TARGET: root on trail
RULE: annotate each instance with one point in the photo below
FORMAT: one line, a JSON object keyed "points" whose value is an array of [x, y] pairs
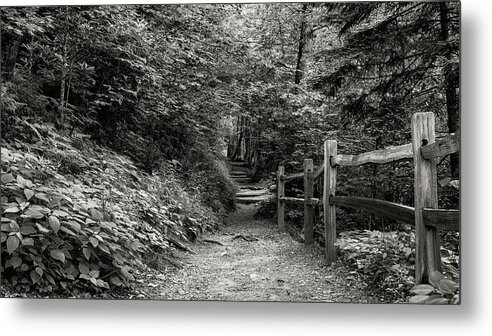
{"points": [[211, 241], [246, 238]]}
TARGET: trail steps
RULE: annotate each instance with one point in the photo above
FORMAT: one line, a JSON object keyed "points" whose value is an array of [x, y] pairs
{"points": [[248, 193]]}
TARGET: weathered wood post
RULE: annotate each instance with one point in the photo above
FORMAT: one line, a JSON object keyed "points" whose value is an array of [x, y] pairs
{"points": [[280, 203], [427, 254], [308, 207], [330, 178]]}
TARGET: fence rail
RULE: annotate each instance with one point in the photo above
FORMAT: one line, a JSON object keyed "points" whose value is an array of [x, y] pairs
{"points": [[292, 176], [428, 220], [399, 212], [380, 156], [294, 200]]}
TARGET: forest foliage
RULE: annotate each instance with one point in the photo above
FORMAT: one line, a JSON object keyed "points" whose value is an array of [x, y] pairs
{"points": [[79, 219]]}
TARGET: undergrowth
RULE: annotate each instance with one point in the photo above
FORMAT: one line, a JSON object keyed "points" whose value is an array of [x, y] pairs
{"points": [[385, 262], [79, 219]]}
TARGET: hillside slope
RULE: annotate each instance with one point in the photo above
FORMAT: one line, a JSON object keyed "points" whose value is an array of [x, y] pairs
{"points": [[79, 219]]}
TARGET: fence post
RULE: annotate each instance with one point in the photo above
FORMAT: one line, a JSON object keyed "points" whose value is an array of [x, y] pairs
{"points": [[330, 178], [280, 204], [427, 254], [308, 208]]}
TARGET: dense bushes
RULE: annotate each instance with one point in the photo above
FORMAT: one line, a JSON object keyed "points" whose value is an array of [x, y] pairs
{"points": [[385, 262], [78, 219]]}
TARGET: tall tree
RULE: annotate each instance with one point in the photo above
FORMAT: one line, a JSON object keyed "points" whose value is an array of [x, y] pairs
{"points": [[392, 57], [302, 45], [451, 75]]}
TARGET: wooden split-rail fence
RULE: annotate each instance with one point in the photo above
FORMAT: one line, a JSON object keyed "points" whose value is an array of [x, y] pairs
{"points": [[428, 220]]}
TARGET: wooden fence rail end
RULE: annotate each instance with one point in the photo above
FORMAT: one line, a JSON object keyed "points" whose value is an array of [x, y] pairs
{"points": [[447, 220], [448, 145]]}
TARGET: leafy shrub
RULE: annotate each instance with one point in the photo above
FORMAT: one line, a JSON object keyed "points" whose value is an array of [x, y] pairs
{"points": [[55, 242], [440, 291], [87, 231], [384, 260], [386, 263]]}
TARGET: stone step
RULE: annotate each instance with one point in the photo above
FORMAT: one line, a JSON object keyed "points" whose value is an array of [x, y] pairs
{"points": [[239, 164], [242, 180], [240, 170], [248, 187], [239, 174], [250, 200], [252, 193]]}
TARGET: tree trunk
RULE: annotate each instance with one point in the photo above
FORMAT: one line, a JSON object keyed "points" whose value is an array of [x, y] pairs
{"points": [[451, 81], [69, 84], [63, 77], [237, 153], [302, 44], [64, 65], [12, 58]]}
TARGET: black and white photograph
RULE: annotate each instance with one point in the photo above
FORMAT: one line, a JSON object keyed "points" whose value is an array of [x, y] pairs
{"points": [[247, 152]]}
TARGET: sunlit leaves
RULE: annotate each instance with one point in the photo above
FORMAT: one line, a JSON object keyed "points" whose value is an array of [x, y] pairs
{"points": [[41, 228], [422, 289], [58, 255], [28, 242], [437, 299], [32, 213], [418, 299], [28, 193], [21, 181], [7, 178], [96, 214], [13, 209], [447, 286], [12, 243], [115, 281], [60, 213], [42, 196], [15, 261], [83, 268], [86, 252], [54, 223], [27, 229], [441, 291], [94, 241], [35, 277]]}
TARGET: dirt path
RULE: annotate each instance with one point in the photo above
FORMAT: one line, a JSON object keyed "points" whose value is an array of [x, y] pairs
{"points": [[254, 263]]}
